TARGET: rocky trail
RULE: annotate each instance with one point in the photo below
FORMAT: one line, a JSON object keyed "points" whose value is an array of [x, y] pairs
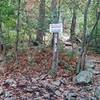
{"points": [[41, 86], [24, 83]]}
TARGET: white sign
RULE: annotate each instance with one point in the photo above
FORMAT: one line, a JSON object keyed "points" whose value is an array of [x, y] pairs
{"points": [[56, 28]]}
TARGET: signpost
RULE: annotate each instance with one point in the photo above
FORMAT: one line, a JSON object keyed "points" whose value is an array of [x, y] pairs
{"points": [[55, 29]]}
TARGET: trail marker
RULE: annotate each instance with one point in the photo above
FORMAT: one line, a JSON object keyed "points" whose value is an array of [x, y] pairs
{"points": [[55, 29]]}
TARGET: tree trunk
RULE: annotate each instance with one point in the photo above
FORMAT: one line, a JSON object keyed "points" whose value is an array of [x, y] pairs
{"points": [[73, 26], [41, 22], [96, 31], [54, 17], [0, 26], [81, 63], [18, 28]]}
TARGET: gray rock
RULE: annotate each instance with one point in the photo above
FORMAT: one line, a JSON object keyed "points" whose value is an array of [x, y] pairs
{"points": [[42, 77], [47, 96], [96, 72], [58, 93], [92, 98], [88, 88], [51, 88], [22, 83], [83, 98], [63, 81], [1, 91], [10, 98], [97, 92], [8, 94], [28, 89], [56, 83], [1, 58], [90, 64], [84, 77], [10, 82], [70, 96], [37, 94]]}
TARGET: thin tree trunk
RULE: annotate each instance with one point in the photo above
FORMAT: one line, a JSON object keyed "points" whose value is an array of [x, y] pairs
{"points": [[81, 63], [96, 31], [54, 17], [41, 22], [0, 25], [73, 26], [55, 38], [18, 28]]}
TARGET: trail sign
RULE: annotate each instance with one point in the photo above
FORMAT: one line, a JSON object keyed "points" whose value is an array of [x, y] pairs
{"points": [[56, 28]]}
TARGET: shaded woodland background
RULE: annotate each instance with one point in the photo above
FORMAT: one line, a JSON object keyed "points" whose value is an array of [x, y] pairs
{"points": [[26, 50]]}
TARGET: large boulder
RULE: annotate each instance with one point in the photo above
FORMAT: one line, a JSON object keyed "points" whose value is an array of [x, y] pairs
{"points": [[84, 77]]}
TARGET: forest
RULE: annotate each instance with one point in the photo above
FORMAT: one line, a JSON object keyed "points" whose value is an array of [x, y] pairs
{"points": [[49, 49]]}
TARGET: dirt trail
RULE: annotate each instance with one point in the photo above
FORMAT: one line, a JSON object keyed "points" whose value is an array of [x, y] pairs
{"points": [[96, 59]]}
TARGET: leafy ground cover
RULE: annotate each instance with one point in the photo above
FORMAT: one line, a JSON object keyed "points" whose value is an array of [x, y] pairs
{"points": [[32, 82]]}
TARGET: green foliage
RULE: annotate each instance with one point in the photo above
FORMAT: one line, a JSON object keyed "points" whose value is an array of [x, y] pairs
{"points": [[52, 72], [10, 56], [70, 54], [10, 37], [62, 47]]}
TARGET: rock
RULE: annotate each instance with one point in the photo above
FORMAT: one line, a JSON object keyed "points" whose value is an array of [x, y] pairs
{"points": [[56, 83], [51, 88], [10, 98], [63, 81], [1, 58], [82, 98], [1, 91], [92, 98], [38, 98], [88, 88], [2, 68], [28, 89], [58, 93], [10, 82], [22, 83], [8, 94], [24, 97], [42, 77], [84, 77], [47, 96], [34, 81], [96, 72], [97, 92], [37, 94], [90, 64], [70, 96]]}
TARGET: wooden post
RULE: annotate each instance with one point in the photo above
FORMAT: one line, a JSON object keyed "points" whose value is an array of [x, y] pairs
{"points": [[55, 29], [55, 52]]}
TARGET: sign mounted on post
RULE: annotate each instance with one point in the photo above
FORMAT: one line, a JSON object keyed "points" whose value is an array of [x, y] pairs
{"points": [[56, 28]]}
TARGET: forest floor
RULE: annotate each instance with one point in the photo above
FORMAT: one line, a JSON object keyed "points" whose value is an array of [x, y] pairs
{"points": [[25, 82]]}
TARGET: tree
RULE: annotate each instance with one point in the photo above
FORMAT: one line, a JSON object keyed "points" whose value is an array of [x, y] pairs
{"points": [[41, 22], [54, 16], [55, 19], [82, 57], [18, 27], [73, 26]]}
